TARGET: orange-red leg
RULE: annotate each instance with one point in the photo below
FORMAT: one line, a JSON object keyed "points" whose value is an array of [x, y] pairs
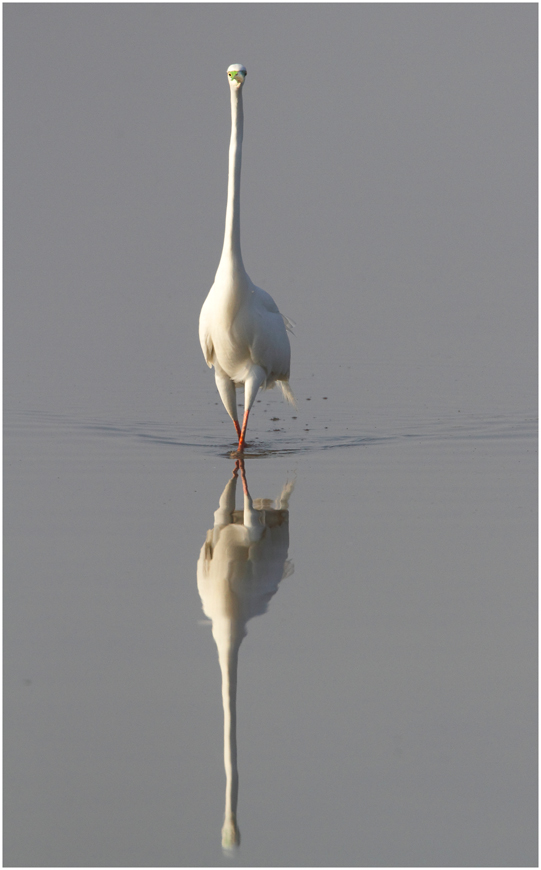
{"points": [[243, 432]]}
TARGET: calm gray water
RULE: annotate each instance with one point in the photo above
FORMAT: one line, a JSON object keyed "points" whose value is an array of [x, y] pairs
{"points": [[362, 620], [386, 700]]}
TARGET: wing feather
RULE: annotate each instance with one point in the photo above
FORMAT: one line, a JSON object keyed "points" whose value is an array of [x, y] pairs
{"points": [[205, 339]]}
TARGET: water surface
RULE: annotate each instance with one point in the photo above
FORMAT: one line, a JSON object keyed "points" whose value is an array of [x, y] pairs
{"points": [[385, 711]]}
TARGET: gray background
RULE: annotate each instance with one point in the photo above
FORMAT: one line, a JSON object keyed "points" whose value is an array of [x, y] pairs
{"points": [[388, 195], [387, 700]]}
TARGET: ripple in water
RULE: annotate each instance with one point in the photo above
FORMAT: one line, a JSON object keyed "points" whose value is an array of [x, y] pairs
{"points": [[344, 434]]}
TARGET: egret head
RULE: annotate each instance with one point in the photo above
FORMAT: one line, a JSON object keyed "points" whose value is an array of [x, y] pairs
{"points": [[236, 74]]}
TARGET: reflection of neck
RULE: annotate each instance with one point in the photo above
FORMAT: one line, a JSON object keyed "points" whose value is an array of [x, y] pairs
{"points": [[231, 249], [228, 641]]}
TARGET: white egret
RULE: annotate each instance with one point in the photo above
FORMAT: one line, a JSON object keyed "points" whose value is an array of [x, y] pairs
{"points": [[240, 566], [242, 333]]}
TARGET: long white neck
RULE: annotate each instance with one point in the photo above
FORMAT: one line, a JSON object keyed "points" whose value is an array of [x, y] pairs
{"points": [[231, 250]]}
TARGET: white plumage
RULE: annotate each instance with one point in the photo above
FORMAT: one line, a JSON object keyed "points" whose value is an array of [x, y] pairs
{"points": [[242, 333]]}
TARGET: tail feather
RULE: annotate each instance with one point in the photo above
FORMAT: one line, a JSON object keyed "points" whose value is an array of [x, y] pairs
{"points": [[287, 393], [289, 324]]}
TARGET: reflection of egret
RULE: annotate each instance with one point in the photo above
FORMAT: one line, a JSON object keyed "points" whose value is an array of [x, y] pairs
{"points": [[240, 566], [242, 333]]}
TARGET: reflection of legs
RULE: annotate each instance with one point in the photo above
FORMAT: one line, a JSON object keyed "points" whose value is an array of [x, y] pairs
{"points": [[240, 466], [251, 385], [226, 389], [253, 519]]}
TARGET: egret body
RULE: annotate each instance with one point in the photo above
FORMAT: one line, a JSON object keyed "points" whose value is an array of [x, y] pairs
{"points": [[242, 333]]}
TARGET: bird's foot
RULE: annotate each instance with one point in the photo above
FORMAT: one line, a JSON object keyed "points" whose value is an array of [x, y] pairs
{"points": [[243, 445], [239, 453]]}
